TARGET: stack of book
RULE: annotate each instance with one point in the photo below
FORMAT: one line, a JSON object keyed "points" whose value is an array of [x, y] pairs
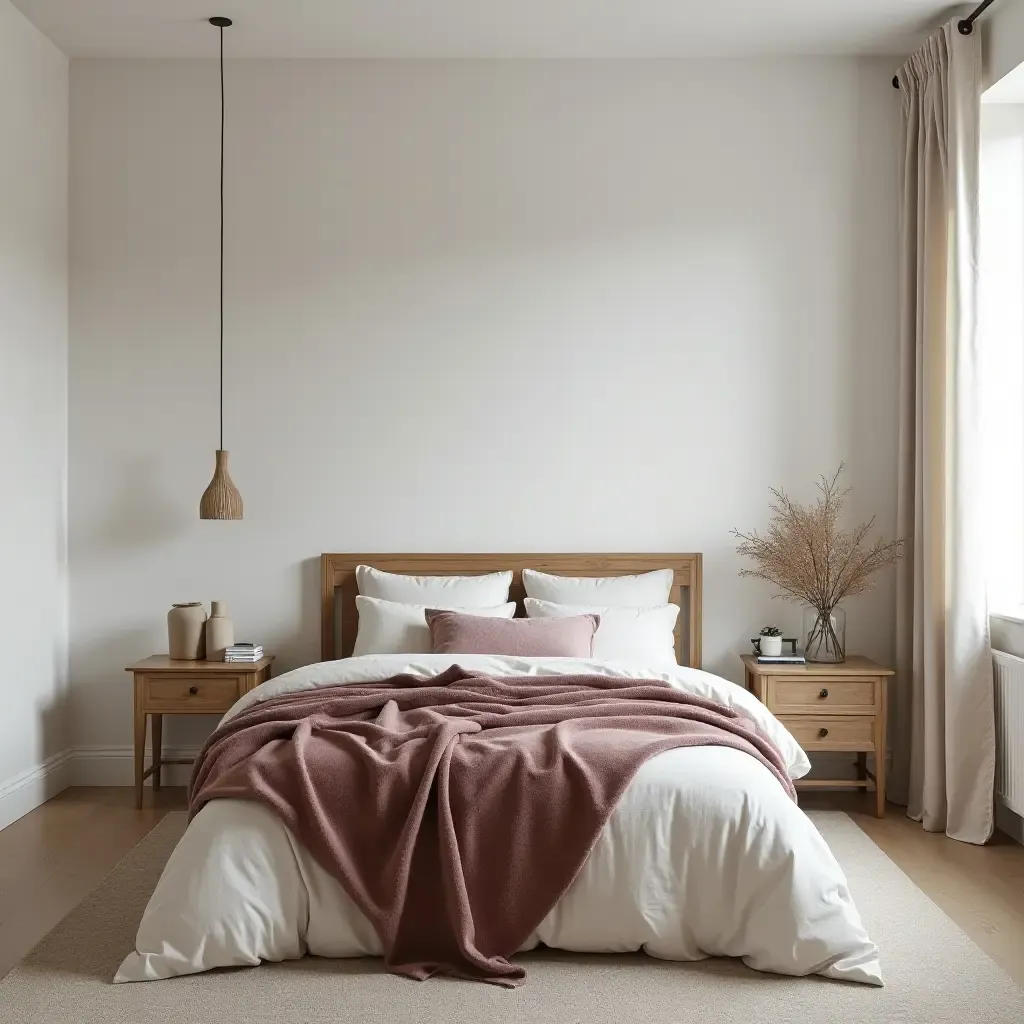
{"points": [[243, 652], [781, 659]]}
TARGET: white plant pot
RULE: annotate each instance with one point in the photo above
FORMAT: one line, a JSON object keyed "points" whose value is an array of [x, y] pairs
{"points": [[771, 646]]}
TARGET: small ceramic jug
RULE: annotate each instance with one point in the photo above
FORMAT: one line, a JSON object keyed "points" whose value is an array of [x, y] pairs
{"points": [[220, 631], [186, 633]]}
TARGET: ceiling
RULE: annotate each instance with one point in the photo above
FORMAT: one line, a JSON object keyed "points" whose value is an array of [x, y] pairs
{"points": [[486, 28]]}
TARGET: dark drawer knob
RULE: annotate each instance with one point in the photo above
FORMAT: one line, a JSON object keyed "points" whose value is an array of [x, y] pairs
{"points": [[193, 690], [823, 733], [823, 693]]}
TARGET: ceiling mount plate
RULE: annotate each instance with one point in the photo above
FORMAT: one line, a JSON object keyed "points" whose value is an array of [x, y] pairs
{"points": [[221, 22]]}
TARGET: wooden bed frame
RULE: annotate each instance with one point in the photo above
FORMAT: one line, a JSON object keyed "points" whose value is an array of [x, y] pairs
{"points": [[339, 618]]}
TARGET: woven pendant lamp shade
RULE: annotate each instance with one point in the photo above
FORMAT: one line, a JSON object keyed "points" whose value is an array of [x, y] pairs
{"points": [[221, 499]]}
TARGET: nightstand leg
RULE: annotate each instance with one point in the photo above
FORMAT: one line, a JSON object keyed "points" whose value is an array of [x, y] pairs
{"points": [[158, 749], [140, 754], [880, 750], [862, 766]]}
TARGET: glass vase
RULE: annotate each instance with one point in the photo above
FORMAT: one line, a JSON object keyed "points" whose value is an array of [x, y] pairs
{"points": [[824, 634]]}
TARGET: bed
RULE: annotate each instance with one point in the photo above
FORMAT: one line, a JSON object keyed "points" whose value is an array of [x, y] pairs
{"points": [[705, 853]]}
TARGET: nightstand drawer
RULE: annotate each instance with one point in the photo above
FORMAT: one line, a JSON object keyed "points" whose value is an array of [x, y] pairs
{"points": [[185, 693], [823, 732], [805, 696]]}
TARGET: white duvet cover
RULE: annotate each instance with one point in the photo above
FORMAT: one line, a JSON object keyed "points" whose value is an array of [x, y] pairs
{"points": [[705, 855]]}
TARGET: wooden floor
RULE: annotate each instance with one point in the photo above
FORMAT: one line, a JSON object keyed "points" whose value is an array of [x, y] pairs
{"points": [[979, 887], [52, 858]]}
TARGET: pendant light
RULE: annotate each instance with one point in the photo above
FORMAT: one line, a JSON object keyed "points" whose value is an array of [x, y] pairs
{"points": [[221, 499]]}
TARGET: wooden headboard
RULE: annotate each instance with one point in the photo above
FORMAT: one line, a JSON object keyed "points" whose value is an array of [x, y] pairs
{"points": [[339, 619]]}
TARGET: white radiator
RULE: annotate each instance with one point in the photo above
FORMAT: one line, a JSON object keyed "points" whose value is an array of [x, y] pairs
{"points": [[1009, 672]]}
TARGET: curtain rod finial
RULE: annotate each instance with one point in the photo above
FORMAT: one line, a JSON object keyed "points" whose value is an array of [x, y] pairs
{"points": [[895, 81]]}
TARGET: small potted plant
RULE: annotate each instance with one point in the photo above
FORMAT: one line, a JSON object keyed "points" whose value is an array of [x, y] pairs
{"points": [[770, 643]]}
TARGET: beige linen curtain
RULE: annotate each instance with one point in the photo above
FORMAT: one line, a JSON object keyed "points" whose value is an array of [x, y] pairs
{"points": [[944, 749]]}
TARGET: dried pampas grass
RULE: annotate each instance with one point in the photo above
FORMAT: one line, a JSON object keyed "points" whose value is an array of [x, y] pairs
{"points": [[806, 554]]}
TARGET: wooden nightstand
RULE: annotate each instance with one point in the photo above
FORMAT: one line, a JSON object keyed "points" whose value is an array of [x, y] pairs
{"points": [[164, 686], [830, 707]]}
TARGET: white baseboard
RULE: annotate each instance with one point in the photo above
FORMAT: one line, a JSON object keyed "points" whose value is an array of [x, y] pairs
{"points": [[82, 766], [34, 786], [115, 766], [834, 764], [831, 764]]}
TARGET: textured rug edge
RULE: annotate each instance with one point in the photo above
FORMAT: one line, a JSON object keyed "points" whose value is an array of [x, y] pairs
{"points": [[170, 822]]}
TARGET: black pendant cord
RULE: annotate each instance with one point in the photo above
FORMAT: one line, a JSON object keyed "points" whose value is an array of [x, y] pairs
{"points": [[965, 27], [221, 23], [221, 28]]}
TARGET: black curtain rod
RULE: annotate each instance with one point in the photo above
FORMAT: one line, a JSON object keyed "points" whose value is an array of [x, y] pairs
{"points": [[965, 26]]}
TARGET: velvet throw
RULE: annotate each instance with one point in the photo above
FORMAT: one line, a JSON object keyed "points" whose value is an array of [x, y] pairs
{"points": [[456, 811]]}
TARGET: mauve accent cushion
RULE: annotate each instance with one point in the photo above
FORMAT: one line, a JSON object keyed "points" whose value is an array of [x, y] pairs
{"points": [[458, 633]]}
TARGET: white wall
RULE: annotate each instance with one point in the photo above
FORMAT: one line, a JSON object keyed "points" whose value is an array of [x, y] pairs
{"points": [[470, 306], [33, 414]]}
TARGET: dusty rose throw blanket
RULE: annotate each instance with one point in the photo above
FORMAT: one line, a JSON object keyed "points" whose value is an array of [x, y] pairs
{"points": [[456, 811]]}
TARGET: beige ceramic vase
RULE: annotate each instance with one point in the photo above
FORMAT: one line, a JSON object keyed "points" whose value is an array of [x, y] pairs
{"points": [[220, 631], [186, 632]]}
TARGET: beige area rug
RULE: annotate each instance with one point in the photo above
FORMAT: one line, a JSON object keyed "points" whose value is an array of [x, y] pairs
{"points": [[934, 972]]}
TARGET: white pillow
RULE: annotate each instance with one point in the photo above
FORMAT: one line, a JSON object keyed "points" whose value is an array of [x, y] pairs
{"points": [[389, 627], [435, 591], [641, 635], [643, 591]]}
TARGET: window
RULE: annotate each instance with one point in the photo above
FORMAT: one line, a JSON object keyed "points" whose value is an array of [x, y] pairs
{"points": [[1001, 335]]}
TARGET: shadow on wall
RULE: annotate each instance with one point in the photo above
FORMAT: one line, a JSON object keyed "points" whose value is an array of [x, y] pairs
{"points": [[140, 514], [872, 337], [54, 714], [101, 687], [303, 647]]}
